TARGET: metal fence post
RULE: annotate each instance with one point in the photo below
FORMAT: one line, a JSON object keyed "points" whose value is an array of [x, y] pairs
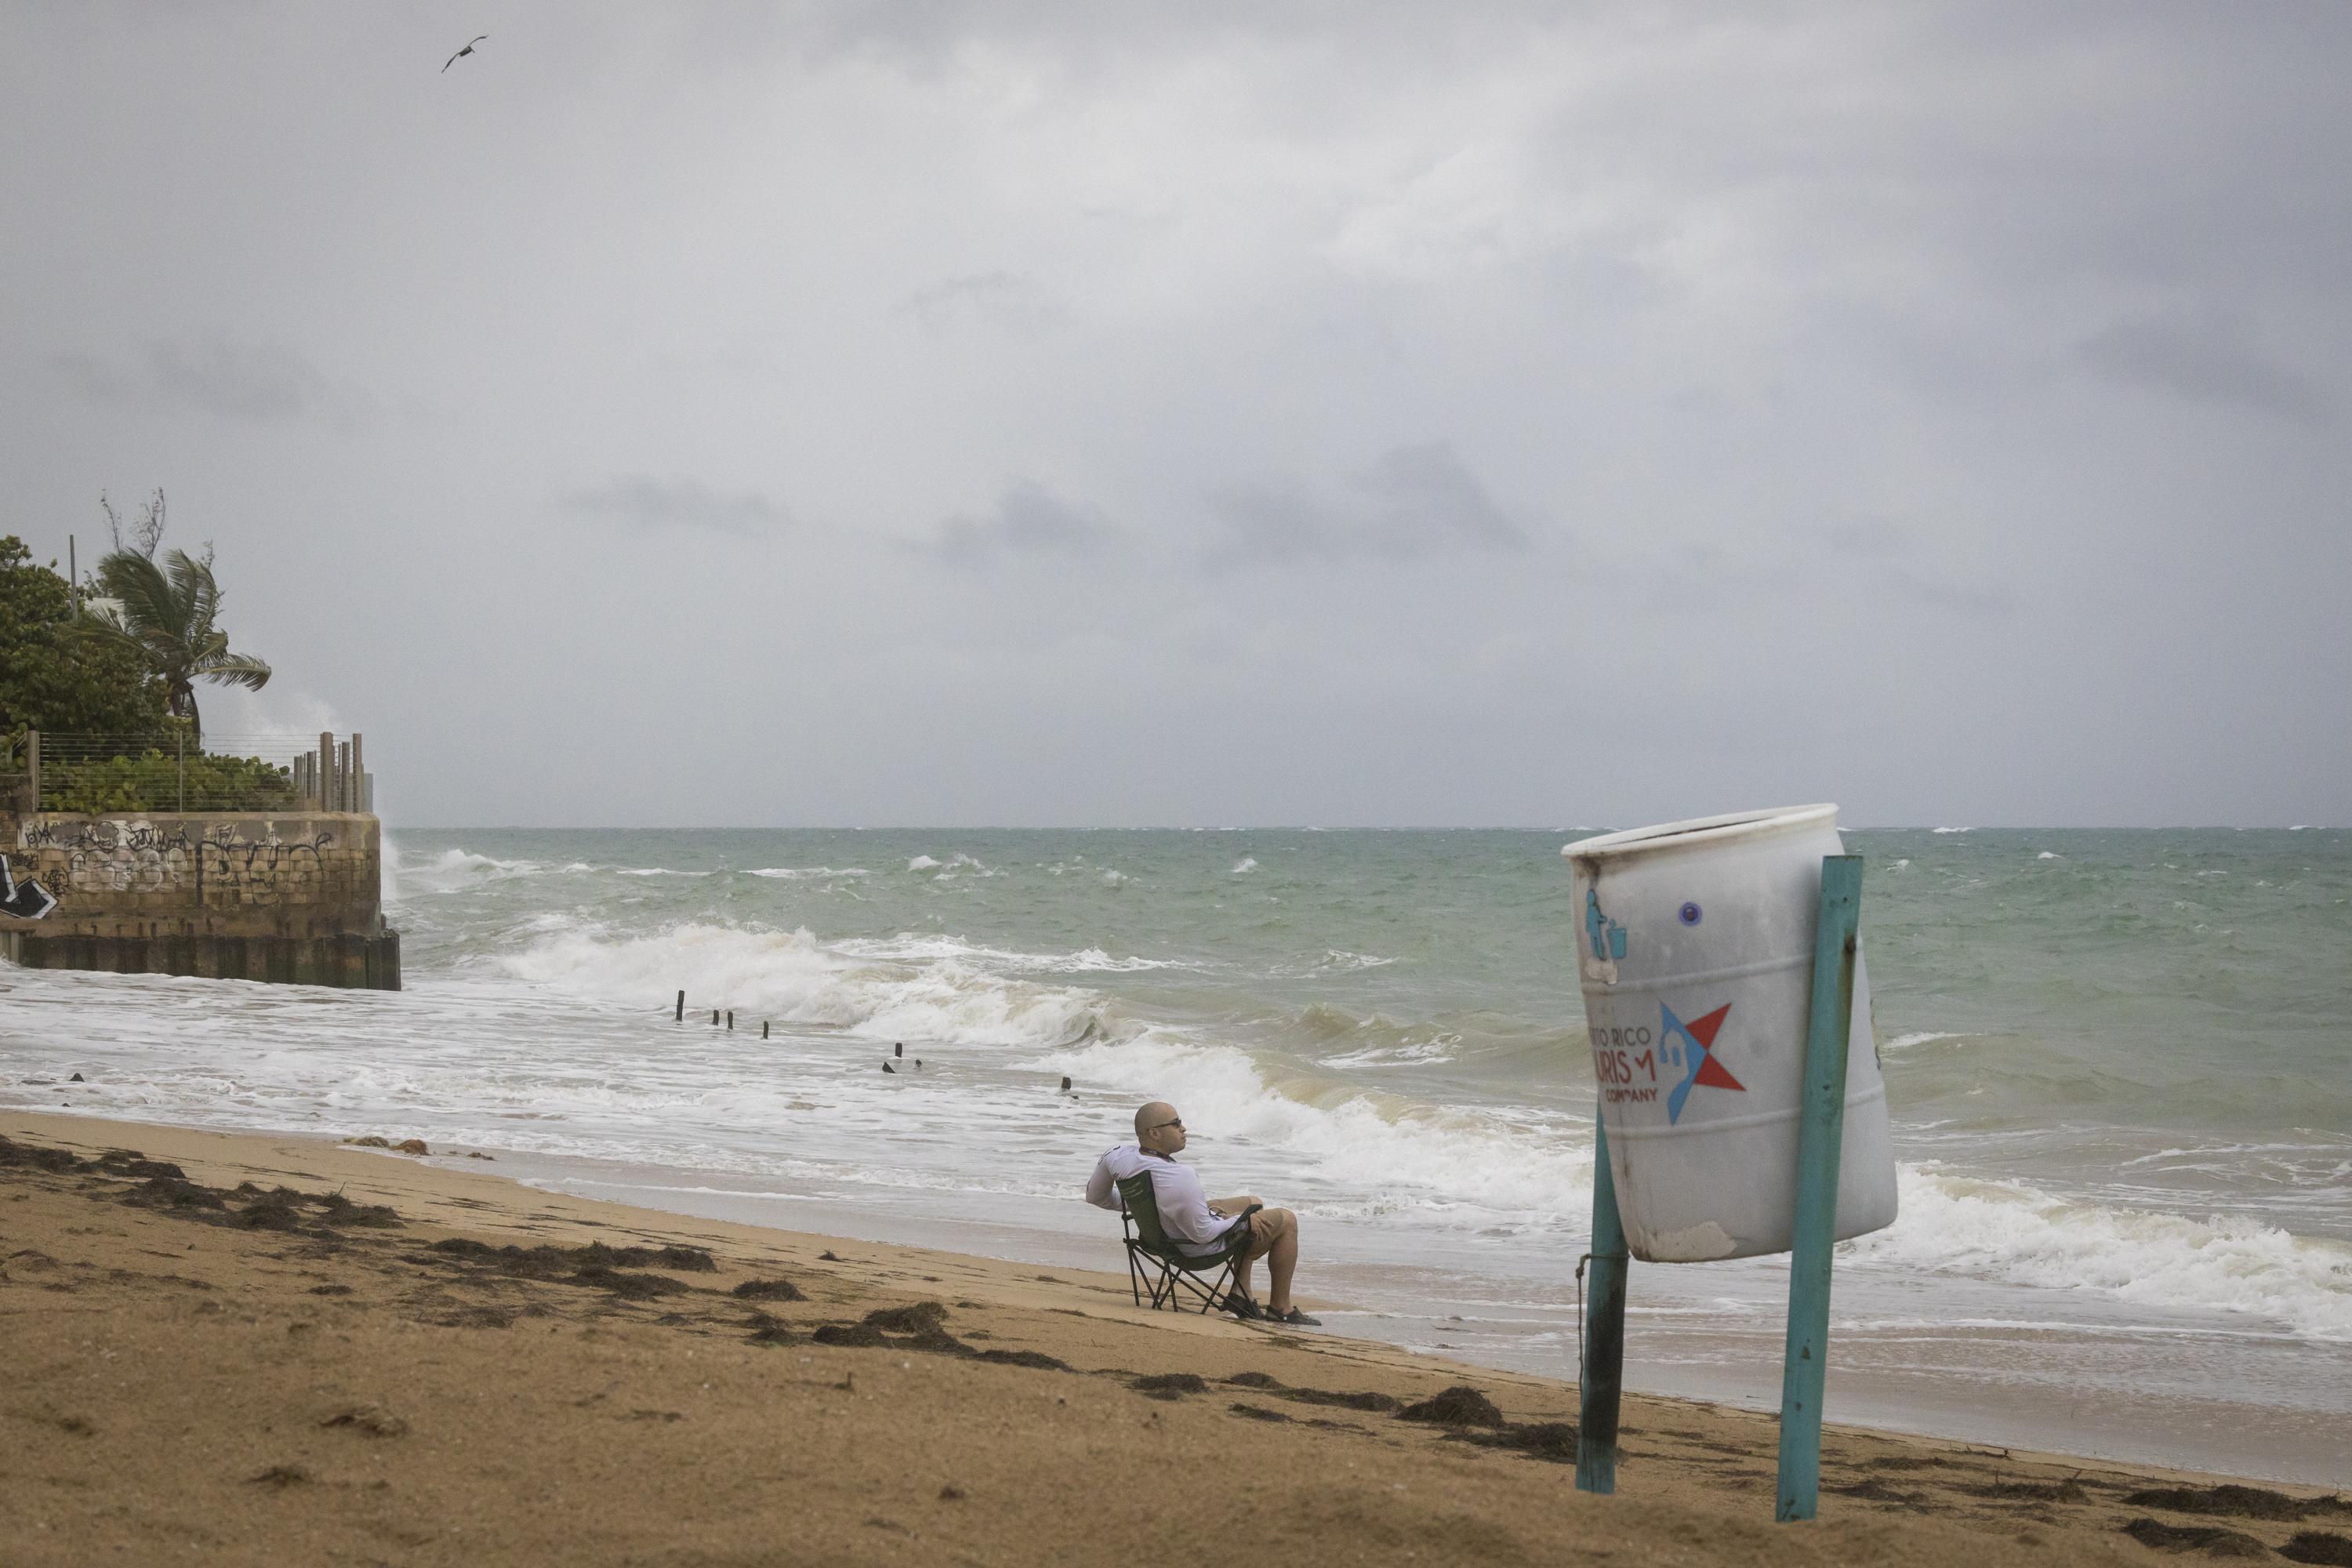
{"points": [[1821, 1133], [1600, 1371], [358, 775], [326, 769]]}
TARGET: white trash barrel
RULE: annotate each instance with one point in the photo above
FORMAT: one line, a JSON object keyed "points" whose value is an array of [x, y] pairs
{"points": [[1695, 946]]}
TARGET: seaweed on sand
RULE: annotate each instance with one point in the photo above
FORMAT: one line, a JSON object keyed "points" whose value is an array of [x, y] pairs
{"points": [[1460, 1405], [909, 1320], [2231, 1500], [767, 1290], [2210, 1539], [1171, 1385]]}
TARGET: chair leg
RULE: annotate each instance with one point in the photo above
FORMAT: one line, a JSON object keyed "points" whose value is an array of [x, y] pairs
{"points": [[1169, 1286], [1211, 1295], [1206, 1297], [1219, 1289], [1134, 1275]]}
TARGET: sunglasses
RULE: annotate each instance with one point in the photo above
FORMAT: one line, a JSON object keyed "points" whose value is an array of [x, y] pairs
{"points": [[1171, 1121]]}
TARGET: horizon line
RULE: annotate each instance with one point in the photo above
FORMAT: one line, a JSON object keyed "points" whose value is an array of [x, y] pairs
{"points": [[1310, 828]]}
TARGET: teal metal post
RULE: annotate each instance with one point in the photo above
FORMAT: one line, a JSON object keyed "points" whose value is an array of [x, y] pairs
{"points": [[1601, 1375], [1821, 1134]]}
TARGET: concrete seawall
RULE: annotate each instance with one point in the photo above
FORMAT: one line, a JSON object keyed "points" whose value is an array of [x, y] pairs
{"points": [[286, 896]]}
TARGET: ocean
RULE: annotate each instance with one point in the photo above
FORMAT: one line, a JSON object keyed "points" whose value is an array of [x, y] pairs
{"points": [[2119, 1065]]}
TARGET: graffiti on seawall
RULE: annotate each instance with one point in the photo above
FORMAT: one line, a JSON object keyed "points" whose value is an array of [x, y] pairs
{"points": [[251, 862]]}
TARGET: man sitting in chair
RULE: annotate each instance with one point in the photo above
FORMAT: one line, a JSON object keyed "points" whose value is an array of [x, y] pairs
{"points": [[1197, 1225]]}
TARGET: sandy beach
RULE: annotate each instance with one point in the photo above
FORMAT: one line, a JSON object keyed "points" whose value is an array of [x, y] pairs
{"points": [[262, 1349]]}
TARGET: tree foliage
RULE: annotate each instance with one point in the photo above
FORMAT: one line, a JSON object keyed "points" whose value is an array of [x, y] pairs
{"points": [[167, 613], [59, 674]]}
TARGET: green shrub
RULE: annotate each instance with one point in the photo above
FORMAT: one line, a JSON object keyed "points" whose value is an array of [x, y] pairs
{"points": [[153, 782]]}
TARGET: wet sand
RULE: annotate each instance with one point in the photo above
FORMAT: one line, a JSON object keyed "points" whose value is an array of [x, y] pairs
{"points": [[263, 1349]]}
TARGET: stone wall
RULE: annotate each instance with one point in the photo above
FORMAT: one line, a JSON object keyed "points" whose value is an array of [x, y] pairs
{"points": [[276, 895]]}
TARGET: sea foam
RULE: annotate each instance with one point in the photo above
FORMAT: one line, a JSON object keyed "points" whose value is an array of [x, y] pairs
{"points": [[453, 870], [2020, 1234], [790, 977], [800, 873]]}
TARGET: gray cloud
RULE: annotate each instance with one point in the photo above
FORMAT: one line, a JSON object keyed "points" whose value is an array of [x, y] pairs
{"points": [[641, 500], [1010, 300], [1871, 538], [1755, 306], [238, 382], [1890, 561], [93, 379], [246, 383], [1413, 502], [2205, 362], [1027, 520], [1975, 601]]}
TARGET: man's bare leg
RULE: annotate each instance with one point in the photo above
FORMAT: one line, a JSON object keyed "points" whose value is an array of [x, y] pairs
{"points": [[1281, 1257], [1257, 1243], [1274, 1235]]}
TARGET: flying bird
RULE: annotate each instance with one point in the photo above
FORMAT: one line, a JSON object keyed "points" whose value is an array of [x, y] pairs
{"points": [[461, 53]]}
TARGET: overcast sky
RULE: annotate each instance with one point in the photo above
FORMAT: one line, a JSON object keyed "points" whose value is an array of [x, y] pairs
{"points": [[1085, 414]]}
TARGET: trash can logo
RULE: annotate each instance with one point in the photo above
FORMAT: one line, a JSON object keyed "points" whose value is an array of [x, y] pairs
{"points": [[1608, 938], [1695, 1055]]}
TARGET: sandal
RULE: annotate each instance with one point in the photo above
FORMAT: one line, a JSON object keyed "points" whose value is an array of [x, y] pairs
{"points": [[1242, 1307], [1295, 1318]]}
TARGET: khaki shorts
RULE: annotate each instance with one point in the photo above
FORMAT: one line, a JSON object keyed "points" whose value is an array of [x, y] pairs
{"points": [[1266, 1227]]}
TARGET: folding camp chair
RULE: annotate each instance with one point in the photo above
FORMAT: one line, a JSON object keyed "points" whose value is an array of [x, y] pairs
{"points": [[1156, 1267]]}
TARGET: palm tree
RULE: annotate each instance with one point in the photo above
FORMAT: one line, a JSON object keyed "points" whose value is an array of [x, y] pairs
{"points": [[166, 612]]}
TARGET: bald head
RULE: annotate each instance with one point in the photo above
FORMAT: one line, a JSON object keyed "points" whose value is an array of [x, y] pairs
{"points": [[1159, 1129]]}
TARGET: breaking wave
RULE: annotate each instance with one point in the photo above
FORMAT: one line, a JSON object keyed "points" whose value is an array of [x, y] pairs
{"points": [[1919, 1037], [790, 977], [2008, 1231], [453, 870]]}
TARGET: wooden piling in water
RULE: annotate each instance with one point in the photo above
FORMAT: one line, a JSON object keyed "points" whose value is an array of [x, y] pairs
{"points": [[681, 1006], [1821, 1136], [763, 1029], [730, 1020]]}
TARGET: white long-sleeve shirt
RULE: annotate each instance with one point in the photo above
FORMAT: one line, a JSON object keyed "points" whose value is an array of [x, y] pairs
{"points": [[1183, 1206]]}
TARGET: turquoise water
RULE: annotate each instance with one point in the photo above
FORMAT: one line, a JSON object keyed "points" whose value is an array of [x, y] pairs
{"points": [[2118, 1065]]}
